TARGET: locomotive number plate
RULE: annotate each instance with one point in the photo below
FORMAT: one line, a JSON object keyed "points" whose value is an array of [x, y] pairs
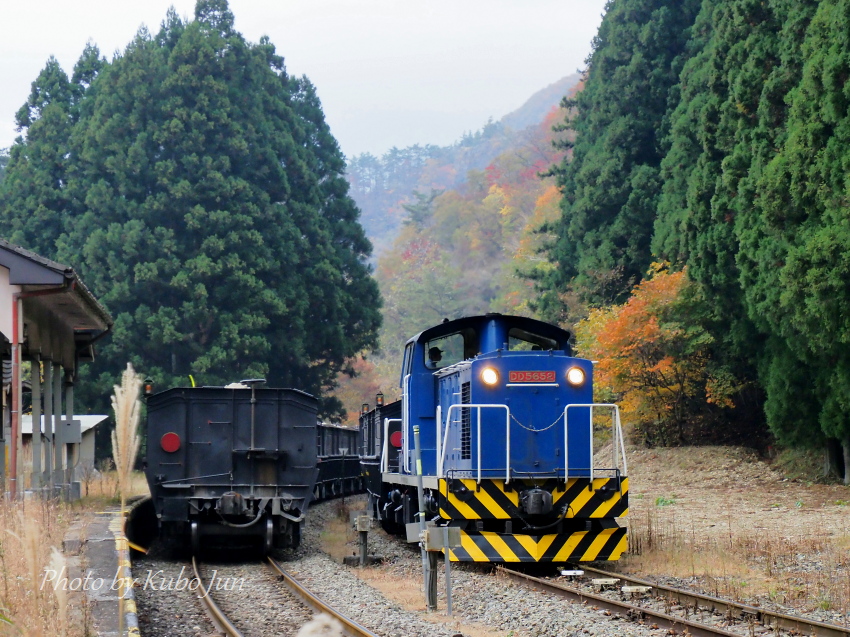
{"points": [[531, 377]]}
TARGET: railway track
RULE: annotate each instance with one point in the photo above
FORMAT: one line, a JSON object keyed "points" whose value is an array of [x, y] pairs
{"points": [[686, 612], [298, 599]]}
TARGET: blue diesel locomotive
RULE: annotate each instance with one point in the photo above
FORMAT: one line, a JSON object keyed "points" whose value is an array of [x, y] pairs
{"points": [[505, 415]]}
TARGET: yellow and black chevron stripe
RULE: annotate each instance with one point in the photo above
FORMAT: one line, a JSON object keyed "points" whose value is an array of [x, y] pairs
{"points": [[581, 546], [463, 499]]}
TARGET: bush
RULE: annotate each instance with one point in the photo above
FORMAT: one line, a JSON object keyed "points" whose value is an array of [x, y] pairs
{"points": [[655, 358]]}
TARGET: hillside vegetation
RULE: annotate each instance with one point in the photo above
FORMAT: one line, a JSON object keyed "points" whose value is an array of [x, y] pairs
{"points": [[382, 186]]}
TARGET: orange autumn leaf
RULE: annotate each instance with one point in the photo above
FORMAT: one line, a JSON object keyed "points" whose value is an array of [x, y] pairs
{"points": [[657, 367]]}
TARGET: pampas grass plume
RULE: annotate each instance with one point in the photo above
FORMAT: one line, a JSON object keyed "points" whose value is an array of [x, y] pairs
{"points": [[125, 440]]}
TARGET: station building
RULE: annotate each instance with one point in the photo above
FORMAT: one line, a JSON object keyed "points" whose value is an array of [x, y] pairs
{"points": [[49, 324]]}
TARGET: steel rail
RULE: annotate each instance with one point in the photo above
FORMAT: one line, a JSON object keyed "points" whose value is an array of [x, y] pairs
{"points": [[676, 625], [764, 617], [350, 626], [218, 617]]}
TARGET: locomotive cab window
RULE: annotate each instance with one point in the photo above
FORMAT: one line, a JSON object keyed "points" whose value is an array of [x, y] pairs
{"points": [[407, 363], [521, 340], [450, 349]]}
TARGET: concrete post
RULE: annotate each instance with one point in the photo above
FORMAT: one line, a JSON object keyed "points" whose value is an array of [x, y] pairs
{"points": [[35, 381], [59, 444], [48, 425], [364, 547], [74, 448], [429, 562]]}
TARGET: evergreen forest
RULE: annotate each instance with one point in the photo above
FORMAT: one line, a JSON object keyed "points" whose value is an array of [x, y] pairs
{"points": [[196, 188], [706, 193]]}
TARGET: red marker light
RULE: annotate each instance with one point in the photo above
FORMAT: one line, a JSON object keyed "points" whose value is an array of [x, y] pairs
{"points": [[170, 442], [395, 439]]}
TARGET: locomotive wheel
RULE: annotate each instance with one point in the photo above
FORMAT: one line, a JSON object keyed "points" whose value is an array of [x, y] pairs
{"points": [[268, 540], [195, 538]]}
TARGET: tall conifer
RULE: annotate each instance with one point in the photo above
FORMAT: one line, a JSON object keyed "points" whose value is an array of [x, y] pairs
{"points": [[796, 264], [204, 204], [610, 183]]}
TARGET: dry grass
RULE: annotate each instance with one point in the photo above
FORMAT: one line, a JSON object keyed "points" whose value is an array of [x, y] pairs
{"points": [[746, 567], [103, 488], [407, 593], [125, 438], [33, 530], [735, 525]]}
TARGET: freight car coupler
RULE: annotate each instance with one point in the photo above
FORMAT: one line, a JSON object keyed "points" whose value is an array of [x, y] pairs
{"points": [[231, 503]]}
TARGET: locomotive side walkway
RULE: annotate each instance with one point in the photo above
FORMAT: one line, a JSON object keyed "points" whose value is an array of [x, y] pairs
{"points": [[98, 554]]}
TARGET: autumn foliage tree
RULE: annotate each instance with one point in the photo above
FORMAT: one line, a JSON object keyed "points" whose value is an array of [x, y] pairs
{"points": [[656, 361]]}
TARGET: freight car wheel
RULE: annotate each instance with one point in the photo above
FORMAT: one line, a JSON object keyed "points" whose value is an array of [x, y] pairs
{"points": [[268, 542], [195, 539]]}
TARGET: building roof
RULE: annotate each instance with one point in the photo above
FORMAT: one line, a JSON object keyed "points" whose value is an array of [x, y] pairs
{"points": [[34, 272], [87, 421]]}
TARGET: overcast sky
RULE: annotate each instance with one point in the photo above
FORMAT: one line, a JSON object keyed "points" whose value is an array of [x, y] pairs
{"points": [[388, 72]]}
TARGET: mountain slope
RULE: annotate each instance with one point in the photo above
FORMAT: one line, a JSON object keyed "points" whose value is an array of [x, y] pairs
{"points": [[382, 186]]}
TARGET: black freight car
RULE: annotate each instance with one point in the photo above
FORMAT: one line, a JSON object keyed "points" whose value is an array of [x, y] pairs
{"points": [[339, 465], [384, 422], [234, 462]]}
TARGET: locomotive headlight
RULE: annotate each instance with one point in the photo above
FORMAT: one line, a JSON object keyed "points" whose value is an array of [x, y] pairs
{"points": [[490, 376], [575, 376]]}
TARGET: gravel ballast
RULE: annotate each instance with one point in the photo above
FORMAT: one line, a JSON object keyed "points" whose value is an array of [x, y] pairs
{"points": [[478, 597]]}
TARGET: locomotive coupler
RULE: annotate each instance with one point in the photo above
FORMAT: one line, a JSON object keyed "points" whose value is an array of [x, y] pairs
{"points": [[536, 501]]}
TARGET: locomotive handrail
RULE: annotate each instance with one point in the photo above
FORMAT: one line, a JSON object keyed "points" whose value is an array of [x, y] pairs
{"points": [[478, 408], [385, 450], [617, 437], [439, 447], [405, 422]]}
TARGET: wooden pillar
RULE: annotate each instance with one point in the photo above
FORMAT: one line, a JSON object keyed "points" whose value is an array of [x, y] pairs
{"points": [[35, 381], [16, 483]]}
